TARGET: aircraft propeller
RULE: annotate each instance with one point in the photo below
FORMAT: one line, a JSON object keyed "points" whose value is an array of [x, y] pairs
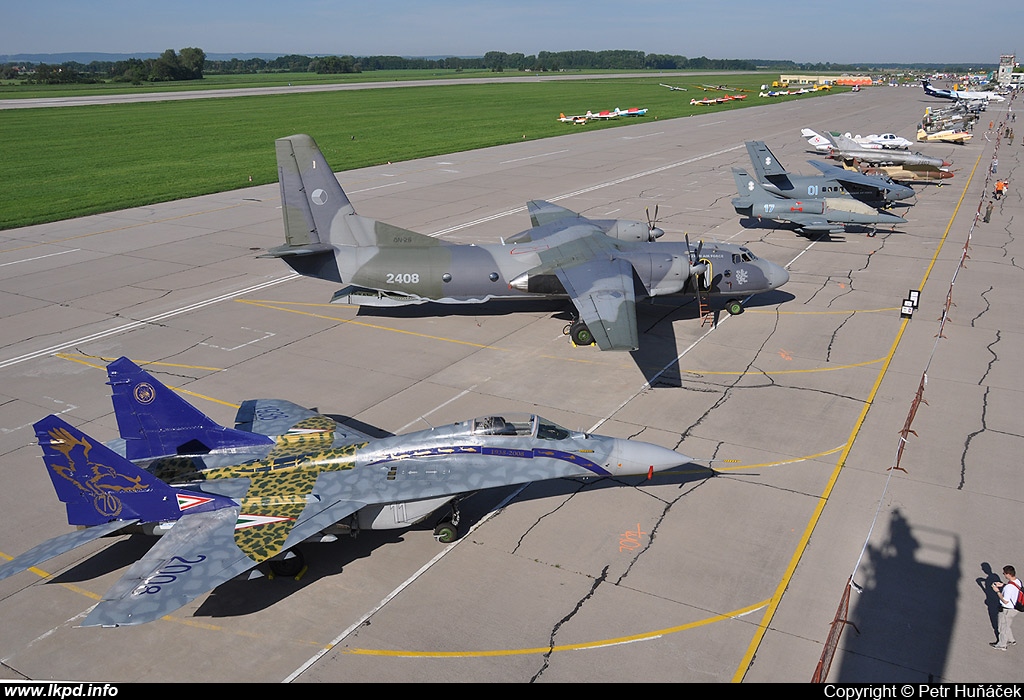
{"points": [[696, 268], [652, 225]]}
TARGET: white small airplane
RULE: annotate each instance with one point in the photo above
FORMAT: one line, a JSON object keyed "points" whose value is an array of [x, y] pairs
{"points": [[885, 140], [584, 118], [872, 141]]}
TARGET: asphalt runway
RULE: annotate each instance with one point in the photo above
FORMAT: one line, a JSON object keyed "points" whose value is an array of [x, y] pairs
{"points": [[730, 569]]}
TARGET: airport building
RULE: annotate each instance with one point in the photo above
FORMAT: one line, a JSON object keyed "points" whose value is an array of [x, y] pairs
{"points": [[802, 79], [1006, 76]]}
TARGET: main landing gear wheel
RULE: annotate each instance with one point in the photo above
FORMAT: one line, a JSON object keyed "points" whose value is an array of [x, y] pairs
{"points": [[579, 333], [290, 566], [734, 307]]}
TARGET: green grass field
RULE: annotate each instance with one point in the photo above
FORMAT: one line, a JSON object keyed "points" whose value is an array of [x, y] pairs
{"points": [[65, 162]]}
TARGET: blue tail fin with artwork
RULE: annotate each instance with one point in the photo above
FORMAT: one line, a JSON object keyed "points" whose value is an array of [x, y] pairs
{"points": [[156, 422], [97, 484]]}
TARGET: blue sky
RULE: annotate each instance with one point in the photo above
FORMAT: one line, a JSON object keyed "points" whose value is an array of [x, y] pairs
{"points": [[845, 32]]}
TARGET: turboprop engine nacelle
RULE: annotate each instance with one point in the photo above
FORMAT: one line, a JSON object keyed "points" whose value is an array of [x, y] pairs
{"points": [[668, 273], [634, 231]]}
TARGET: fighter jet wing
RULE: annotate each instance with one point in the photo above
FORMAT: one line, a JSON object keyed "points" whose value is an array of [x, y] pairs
{"points": [[284, 418], [851, 177], [602, 291], [201, 552], [60, 544], [809, 222]]}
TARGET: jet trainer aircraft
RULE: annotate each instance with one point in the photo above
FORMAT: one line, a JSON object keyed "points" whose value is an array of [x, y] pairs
{"points": [[231, 499], [602, 266], [834, 182], [827, 214]]}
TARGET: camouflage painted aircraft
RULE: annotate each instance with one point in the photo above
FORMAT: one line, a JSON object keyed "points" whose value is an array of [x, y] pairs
{"points": [[231, 499], [833, 182], [908, 173], [824, 214], [602, 266]]}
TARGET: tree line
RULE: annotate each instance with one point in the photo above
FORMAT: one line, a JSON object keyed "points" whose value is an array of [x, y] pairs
{"points": [[192, 64], [189, 64]]}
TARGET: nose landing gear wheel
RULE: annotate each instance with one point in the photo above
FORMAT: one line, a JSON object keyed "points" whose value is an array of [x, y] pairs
{"points": [[734, 307], [446, 533]]}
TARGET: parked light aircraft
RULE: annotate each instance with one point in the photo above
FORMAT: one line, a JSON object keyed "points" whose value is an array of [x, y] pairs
{"points": [[602, 266], [833, 182], [604, 114], [575, 119], [672, 87], [872, 141], [825, 214], [227, 500], [875, 141], [960, 94], [721, 88], [717, 100], [842, 148], [584, 118], [945, 135]]}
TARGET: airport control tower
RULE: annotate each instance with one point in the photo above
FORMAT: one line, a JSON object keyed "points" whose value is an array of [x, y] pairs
{"points": [[1007, 62]]}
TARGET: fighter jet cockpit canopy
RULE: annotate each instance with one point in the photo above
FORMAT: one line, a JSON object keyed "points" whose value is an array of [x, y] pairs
{"points": [[519, 425]]}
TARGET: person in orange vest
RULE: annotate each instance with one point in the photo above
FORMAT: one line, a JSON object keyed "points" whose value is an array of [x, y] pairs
{"points": [[1000, 188]]}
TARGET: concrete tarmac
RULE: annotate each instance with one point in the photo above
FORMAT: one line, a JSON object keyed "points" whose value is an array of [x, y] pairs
{"points": [[730, 569]]}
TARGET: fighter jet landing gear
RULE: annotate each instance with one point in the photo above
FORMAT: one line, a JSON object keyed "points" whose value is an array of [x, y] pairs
{"points": [[447, 531], [291, 564], [579, 333]]}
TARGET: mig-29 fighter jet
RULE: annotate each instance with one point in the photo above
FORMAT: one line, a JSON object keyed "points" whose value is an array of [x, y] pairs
{"points": [[602, 266], [227, 500]]}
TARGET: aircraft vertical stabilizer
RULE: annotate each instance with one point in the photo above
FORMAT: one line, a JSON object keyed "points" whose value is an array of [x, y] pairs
{"points": [[766, 165], [155, 422], [98, 485], [311, 196]]}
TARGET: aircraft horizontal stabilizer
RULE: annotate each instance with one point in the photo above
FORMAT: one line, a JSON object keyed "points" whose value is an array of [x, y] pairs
{"points": [[60, 544]]}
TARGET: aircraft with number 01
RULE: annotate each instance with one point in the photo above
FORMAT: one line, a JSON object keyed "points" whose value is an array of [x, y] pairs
{"points": [[833, 182], [602, 266], [228, 500]]}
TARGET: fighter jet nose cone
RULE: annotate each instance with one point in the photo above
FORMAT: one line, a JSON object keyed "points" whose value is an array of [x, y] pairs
{"points": [[646, 458]]}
